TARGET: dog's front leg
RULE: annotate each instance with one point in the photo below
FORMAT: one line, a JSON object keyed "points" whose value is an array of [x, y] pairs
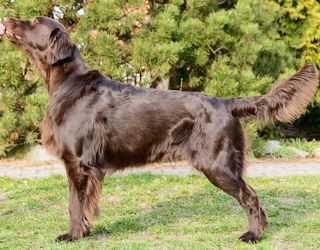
{"points": [[85, 184]]}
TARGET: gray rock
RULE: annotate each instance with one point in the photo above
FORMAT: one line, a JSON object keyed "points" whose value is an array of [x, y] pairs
{"points": [[270, 147], [316, 153], [38, 153], [298, 152]]}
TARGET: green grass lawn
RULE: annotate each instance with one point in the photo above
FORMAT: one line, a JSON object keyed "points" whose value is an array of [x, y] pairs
{"points": [[160, 212]]}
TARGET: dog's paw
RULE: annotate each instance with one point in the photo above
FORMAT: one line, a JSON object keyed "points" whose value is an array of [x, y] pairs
{"points": [[70, 237], [249, 237], [87, 234], [65, 237]]}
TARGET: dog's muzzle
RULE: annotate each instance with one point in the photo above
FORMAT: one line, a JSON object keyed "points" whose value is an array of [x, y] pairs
{"points": [[6, 28]]}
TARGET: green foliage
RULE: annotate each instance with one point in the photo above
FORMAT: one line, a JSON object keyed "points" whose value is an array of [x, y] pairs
{"points": [[302, 144], [283, 152], [104, 35], [300, 25], [246, 39], [22, 101], [222, 50]]}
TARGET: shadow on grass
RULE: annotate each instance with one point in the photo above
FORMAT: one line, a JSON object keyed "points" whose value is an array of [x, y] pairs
{"points": [[169, 212], [284, 209]]}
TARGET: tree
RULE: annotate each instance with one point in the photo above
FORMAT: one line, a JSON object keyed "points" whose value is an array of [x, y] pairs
{"points": [[299, 26]]}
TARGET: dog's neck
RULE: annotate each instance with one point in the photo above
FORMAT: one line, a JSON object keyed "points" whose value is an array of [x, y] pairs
{"points": [[57, 73]]}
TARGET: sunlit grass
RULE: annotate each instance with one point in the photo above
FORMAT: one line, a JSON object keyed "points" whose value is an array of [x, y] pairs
{"points": [[160, 212]]}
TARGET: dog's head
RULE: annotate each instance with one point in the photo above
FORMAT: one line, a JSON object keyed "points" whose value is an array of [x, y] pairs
{"points": [[45, 40]]}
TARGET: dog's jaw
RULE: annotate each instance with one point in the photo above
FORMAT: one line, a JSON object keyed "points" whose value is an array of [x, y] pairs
{"points": [[7, 28]]}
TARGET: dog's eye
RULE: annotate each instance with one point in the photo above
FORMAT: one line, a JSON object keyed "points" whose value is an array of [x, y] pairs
{"points": [[34, 21]]}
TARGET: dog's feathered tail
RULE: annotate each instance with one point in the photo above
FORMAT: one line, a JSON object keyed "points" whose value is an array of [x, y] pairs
{"points": [[286, 101]]}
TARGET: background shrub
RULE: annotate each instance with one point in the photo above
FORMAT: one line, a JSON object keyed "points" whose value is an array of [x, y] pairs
{"points": [[223, 48]]}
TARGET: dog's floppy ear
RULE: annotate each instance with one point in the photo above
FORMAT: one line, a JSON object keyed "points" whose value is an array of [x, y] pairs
{"points": [[59, 47]]}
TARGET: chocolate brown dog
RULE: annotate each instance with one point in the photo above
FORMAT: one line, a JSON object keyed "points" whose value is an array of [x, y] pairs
{"points": [[97, 125]]}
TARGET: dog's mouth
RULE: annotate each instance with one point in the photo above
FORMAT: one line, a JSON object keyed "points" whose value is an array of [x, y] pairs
{"points": [[13, 37], [6, 28]]}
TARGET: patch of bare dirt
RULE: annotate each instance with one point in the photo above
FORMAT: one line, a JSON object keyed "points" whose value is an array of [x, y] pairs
{"points": [[25, 163], [288, 199], [28, 163]]}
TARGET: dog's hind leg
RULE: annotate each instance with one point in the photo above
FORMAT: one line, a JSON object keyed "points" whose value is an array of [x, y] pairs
{"points": [[247, 198], [222, 161], [85, 184]]}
